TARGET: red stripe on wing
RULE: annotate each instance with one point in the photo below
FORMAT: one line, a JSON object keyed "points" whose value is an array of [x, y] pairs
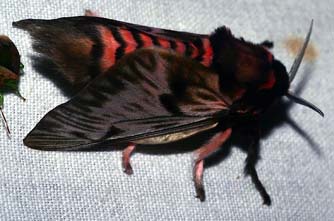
{"points": [[180, 47], [131, 44], [164, 43], [208, 52], [194, 52], [110, 46], [147, 41]]}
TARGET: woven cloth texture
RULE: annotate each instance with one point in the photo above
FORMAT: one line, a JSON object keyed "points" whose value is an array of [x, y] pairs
{"points": [[297, 171]]}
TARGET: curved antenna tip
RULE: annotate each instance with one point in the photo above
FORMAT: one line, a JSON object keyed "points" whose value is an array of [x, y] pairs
{"points": [[304, 102]]}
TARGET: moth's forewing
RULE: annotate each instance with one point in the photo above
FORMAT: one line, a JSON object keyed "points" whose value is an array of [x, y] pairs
{"points": [[147, 93], [75, 50], [70, 51]]}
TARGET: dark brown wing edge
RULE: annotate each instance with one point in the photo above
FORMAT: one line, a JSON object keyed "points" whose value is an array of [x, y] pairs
{"points": [[36, 140]]}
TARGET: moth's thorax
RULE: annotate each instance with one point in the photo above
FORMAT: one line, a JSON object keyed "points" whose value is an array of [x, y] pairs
{"points": [[237, 60], [257, 98], [248, 72]]}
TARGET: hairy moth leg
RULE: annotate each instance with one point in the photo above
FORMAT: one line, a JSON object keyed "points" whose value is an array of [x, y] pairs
{"points": [[126, 158], [200, 154], [251, 160]]}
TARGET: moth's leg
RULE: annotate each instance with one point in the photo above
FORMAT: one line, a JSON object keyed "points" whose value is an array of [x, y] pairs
{"points": [[200, 154], [267, 44], [126, 158], [251, 160]]}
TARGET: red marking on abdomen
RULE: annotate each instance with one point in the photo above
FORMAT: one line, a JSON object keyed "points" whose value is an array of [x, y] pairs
{"points": [[131, 44], [208, 53], [164, 43], [180, 47], [147, 41], [270, 82], [110, 46]]}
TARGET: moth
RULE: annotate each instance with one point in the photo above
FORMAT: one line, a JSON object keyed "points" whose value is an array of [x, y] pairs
{"points": [[142, 85], [10, 68]]}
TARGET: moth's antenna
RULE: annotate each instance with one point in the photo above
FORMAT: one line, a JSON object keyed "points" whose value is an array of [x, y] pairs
{"points": [[5, 122], [301, 101], [300, 55], [293, 72]]}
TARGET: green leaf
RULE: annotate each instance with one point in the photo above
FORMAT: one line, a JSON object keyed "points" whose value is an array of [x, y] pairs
{"points": [[1, 100], [11, 84]]}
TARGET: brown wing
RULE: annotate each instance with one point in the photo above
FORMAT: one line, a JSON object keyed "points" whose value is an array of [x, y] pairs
{"points": [[147, 93], [74, 50]]}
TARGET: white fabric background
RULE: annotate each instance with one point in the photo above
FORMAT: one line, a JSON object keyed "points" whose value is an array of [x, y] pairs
{"points": [[37, 185]]}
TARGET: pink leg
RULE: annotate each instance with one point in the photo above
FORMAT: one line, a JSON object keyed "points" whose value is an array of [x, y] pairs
{"points": [[203, 152], [126, 158]]}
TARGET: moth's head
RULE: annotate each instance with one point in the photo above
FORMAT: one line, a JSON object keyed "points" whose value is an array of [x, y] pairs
{"points": [[273, 83]]}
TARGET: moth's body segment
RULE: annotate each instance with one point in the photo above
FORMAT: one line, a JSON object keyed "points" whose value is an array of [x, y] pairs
{"points": [[148, 85]]}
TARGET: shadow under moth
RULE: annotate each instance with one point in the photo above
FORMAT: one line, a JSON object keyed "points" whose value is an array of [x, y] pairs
{"points": [[141, 85]]}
